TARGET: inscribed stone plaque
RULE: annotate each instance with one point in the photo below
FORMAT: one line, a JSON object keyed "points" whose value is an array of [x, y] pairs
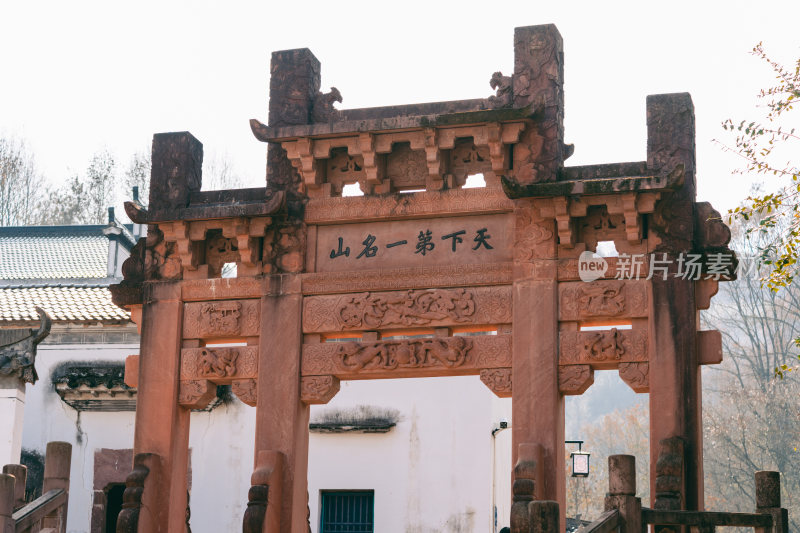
{"points": [[415, 243]]}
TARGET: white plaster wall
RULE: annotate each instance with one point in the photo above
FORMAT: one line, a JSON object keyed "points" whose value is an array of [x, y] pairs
{"points": [[433, 472], [12, 411], [222, 443], [47, 418]]}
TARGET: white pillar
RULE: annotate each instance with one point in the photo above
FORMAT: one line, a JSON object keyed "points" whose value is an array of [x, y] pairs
{"points": [[12, 410]]}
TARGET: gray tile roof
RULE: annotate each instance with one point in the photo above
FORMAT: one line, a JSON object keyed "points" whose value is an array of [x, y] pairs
{"points": [[61, 269], [53, 252], [84, 304]]}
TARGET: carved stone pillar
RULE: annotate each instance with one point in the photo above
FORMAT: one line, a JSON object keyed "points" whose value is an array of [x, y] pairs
{"points": [[537, 404], [281, 416], [162, 426], [675, 397]]}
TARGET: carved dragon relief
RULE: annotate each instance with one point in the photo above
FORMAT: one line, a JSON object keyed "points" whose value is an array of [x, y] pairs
{"points": [[368, 310], [391, 355], [599, 299], [606, 347], [413, 308], [219, 364], [439, 355]]}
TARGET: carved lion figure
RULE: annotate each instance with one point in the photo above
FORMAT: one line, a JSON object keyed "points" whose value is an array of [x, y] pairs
{"points": [[504, 90], [323, 110]]}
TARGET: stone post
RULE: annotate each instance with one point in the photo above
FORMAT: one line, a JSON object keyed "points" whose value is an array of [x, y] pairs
{"points": [[544, 517], [526, 470], [20, 473], [57, 462], [293, 85], [7, 484], [176, 171], [12, 411], [537, 403], [162, 426], [621, 493], [675, 397], [281, 418], [768, 500], [538, 82]]}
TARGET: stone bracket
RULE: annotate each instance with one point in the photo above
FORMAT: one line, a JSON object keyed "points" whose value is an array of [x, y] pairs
{"points": [[196, 393], [317, 390], [498, 380], [246, 390]]}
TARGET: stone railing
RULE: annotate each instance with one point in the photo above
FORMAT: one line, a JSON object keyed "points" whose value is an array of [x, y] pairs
{"points": [[623, 510], [624, 513], [47, 513]]}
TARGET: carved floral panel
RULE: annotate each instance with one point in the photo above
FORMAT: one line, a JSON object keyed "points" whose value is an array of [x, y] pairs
{"points": [[431, 307]]}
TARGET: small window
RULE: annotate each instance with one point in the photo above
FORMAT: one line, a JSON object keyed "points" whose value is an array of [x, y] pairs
{"points": [[350, 511]]}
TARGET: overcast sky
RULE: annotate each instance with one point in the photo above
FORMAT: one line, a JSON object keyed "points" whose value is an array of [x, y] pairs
{"points": [[78, 76]]}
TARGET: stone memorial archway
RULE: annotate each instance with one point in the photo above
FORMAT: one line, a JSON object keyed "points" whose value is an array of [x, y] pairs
{"points": [[506, 258]]}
